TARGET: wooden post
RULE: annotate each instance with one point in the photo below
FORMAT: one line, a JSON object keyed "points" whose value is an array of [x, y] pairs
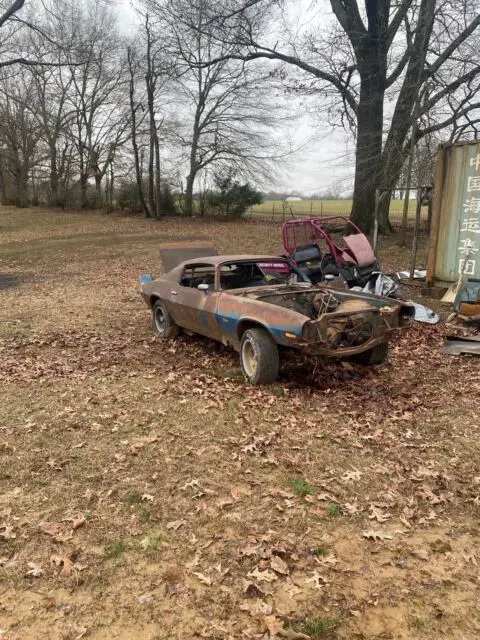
{"points": [[311, 208], [436, 210], [430, 212], [416, 234], [376, 221]]}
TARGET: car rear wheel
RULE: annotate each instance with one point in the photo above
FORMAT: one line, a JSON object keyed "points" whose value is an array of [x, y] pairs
{"points": [[259, 357], [162, 321], [376, 355]]}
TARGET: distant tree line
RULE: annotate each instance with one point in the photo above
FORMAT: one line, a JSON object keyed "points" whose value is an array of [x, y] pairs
{"points": [[189, 104], [90, 118]]}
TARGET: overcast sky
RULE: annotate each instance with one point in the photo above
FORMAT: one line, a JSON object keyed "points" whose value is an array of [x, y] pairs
{"points": [[325, 156]]}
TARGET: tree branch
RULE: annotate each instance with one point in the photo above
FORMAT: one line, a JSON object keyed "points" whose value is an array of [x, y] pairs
{"points": [[452, 47], [449, 88], [16, 6], [348, 15], [397, 20], [271, 54]]}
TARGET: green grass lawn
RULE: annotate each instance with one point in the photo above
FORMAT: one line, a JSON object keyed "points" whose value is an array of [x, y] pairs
{"points": [[325, 207]]}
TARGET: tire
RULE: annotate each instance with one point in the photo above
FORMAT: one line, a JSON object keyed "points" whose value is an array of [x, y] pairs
{"points": [[376, 355], [259, 357], [162, 321]]}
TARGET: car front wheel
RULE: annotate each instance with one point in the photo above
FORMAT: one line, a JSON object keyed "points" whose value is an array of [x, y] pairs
{"points": [[259, 356], [162, 321], [376, 355]]}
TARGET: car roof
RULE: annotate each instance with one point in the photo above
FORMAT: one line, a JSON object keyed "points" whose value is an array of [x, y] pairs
{"points": [[216, 260]]}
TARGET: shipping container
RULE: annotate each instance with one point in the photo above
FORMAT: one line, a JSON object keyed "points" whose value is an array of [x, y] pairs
{"points": [[454, 247]]}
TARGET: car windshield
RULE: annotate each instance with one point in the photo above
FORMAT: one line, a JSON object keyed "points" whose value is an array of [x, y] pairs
{"points": [[258, 273]]}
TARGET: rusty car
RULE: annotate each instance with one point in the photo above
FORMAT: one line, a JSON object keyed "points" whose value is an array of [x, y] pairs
{"points": [[262, 304]]}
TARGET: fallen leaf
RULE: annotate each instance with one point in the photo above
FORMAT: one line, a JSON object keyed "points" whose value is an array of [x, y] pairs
{"points": [[134, 528], [262, 576], [147, 497], [471, 558], [317, 579], [421, 554], [203, 578], [8, 532], [378, 514], [256, 607], [290, 634], [34, 570], [55, 530], [80, 631], [273, 625], [351, 507], [175, 524], [64, 562], [278, 565], [352, 476], [77, 521], [252, 590], [376, 535]]}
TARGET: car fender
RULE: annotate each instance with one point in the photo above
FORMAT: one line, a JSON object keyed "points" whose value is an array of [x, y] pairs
{"points": [[235, 312]]}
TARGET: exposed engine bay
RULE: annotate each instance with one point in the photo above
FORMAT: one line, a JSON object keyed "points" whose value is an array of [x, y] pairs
{"points": [[339, 320]]}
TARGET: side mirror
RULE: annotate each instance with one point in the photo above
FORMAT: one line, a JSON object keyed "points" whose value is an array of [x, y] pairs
{"points": [[203, 287]]}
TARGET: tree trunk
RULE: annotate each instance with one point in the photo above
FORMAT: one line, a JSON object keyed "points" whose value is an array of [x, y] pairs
{"points": [[193, 160], [3, 182], [54, 181], [21, 184], [83, 190], [189, 194], [136, 155], [158, 186], [98, 189], [369, 148]]}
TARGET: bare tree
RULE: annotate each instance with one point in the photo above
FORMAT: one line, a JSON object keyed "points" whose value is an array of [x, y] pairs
{"points": [[20, 135], [135, 123], [99, 124], [226, 122], [382, 66]]}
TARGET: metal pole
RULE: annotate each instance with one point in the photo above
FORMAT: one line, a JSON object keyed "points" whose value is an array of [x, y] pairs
{"points": [[415, 234], [375, 221]]}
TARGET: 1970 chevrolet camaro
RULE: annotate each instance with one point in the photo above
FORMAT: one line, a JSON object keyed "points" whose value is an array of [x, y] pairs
{"points": [[259, 305]]}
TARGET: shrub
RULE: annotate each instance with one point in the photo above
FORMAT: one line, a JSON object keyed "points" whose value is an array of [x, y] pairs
{"points": [[231, 198]]}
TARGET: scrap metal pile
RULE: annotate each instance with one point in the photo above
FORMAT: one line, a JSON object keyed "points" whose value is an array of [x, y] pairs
{"points": [[465, 320], [310, 244]]}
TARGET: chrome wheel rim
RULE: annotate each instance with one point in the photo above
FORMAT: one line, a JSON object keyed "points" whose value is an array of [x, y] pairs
{"points": [[249, 359], [159, 320]]}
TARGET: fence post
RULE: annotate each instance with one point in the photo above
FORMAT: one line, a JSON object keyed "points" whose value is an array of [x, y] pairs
{"points": [[375, 221], [415, 234]]}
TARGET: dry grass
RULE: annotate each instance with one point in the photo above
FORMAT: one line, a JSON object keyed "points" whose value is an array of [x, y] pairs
{"points": [[330, 207], [169, 485]]}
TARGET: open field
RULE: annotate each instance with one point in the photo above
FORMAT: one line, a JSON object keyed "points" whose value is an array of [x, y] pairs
{"points": [[146, 492], [327, 207]]}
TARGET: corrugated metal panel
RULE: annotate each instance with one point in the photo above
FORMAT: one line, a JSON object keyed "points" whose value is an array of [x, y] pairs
{"points": [[455, 242]]}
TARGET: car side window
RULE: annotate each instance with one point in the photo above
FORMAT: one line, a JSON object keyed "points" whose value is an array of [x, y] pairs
{"points": [[198, 273]]}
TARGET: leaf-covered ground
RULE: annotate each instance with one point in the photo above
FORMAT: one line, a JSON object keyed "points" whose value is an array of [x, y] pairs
{"points": [[146, 492]]}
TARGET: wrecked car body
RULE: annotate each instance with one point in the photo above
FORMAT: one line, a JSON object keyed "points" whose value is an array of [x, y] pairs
{"points": [[260, 304]]}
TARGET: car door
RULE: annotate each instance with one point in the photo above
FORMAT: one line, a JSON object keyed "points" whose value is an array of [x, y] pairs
{"points": [[194, 308]]}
